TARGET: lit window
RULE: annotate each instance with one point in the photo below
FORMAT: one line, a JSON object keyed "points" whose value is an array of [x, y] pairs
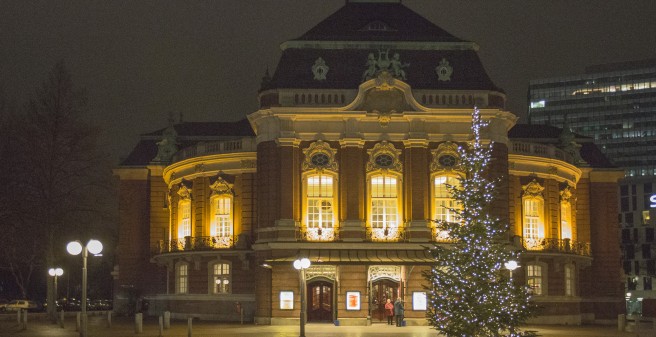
{"points": [[534, 278], [221, 278], [445, 206], [645, 217], [384, 207], [182, 276], [533, 227], [221, 226], [538, 104], [565, 220], [184, 226], [569, 280], [320, 213]]}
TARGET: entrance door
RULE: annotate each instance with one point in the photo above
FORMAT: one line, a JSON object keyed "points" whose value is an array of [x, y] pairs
{"points": [[320, 301], [381, 290]]}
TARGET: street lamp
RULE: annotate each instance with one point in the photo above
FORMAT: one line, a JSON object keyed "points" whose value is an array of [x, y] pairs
{"points": [[52, 305], [511, 265], [75, 248], [301, 265]]}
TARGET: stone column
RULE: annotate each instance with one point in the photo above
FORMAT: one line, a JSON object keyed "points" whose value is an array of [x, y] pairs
{"points": [[351, 190]]}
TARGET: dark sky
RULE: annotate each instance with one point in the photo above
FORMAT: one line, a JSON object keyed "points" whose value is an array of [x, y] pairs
{"points": [[141, 60]]}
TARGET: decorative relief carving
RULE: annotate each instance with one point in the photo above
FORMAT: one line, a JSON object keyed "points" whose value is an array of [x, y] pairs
{"points": [[185, 190], [384, 156], [199, 168], [567, 194], [248, 163], [444, 70], [384, 64], [320, 69], [552, 170], [532, 189], [445, 157], [320, 156], [390, 272], [329, 272], [221, 186]]}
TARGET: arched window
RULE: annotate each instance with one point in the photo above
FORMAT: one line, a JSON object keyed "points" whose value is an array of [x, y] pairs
{"points": [[221, 224], [220, 278], [533, 215], [565, 220], [184, 218], [384, 202], [182, 278], [445, 207], [570, 278]]}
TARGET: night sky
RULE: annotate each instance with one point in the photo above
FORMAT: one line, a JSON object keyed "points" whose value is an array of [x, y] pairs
{"points": [[142, 60]]}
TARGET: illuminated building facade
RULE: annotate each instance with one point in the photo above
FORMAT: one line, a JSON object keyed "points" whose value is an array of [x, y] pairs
{"points": [[616, 105], [346, 163]]}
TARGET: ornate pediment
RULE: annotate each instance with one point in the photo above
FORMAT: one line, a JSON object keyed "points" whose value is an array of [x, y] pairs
{"points": [[319, 156], [567, 194], [384, 156], [185, 189], [384, 97], [221, 185], [445, 157], [532, 189]]}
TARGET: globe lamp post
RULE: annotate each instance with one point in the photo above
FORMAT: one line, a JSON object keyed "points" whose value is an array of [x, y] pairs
{"points": [[511, 266], [55, 273], [301, 265], [75, 248]]}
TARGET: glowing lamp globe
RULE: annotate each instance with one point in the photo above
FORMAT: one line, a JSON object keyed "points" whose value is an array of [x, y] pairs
{"points": [[305, 263], [94, 247], [297, 264], [59, 272], [511, 265], [74, 248], [51, 272]]}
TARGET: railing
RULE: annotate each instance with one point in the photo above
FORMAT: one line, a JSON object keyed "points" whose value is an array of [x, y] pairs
{"points": [[557, 245], [190, 243], [205, 148], [387, 234], [319, 234], [541, 150]]}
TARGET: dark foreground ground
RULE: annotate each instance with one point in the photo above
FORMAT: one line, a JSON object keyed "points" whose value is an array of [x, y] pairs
{"points": [[38, 326]]}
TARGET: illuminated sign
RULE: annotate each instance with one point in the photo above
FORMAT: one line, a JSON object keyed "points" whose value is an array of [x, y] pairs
{"points": [[653, 201]]}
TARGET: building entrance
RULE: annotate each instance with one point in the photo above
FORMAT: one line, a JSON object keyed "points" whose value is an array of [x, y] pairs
{"points": [[381, 290], [320, 301]]}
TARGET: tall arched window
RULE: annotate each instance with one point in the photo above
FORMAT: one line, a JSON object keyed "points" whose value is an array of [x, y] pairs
{"points": [[221, 224], [320, 210], [565, 220], [182, 278], [184, 222], [533, 215], [384, 203], [384, 172], [445, 207]]}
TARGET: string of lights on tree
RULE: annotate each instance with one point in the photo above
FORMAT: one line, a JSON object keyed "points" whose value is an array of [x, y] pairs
{"points": [[470, 294]]}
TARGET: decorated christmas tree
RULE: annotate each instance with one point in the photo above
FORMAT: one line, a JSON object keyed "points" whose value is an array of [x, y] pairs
{"points": [[470, 291]]}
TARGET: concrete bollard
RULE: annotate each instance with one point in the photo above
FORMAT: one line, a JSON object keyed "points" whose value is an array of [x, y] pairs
{"points": [[138, 323], [189, 327], [109, 319], [167, 319], [161, 326], [18, 316], [621, 322], [241, 315], [77, 321], [61, 319], [25, 320]]}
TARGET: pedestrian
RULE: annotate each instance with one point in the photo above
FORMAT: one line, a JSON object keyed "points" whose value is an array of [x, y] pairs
{"points": [[389, 311], [399, 311]]}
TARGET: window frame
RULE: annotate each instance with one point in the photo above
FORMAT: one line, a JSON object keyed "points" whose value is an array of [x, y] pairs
{"points": [[213, 276], [180, 286], [313, 233], [543, 277], [398, 197], [184, 229]]}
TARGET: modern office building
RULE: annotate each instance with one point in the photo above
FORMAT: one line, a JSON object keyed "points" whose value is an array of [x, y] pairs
{"points": [[345, 163], [616, 105]]}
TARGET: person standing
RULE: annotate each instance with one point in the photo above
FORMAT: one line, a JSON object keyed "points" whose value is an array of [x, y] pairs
{"points": [[399, 311], [389, 311]]}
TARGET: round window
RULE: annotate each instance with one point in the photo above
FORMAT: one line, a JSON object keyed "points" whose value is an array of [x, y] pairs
{"points": [[384, 160], [447, 160], [320, 159]]}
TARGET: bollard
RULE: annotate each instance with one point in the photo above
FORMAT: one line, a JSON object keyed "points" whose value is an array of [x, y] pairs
{"points": [[77, 321], [18, 316], [167, 319], [109, 319], [161, 326], [61, 319], [241, 314], [189, 328], [25, 320], [621, 322], [138, 323]]}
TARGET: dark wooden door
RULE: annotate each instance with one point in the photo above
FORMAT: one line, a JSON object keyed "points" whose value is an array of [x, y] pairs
{"points": [[381, 290], [320, 301]]}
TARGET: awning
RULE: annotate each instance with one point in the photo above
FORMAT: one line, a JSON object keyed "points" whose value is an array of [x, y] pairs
{"points": [[353, 256]]}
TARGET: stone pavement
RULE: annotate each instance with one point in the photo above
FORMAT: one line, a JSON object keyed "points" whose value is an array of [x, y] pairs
{"points": [[38, 326]]}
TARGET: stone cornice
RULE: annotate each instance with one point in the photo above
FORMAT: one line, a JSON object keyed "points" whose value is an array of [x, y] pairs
{"points": [[410, 45]]}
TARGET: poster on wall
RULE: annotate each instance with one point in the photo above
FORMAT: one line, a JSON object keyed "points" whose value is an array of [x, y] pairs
{"points": [[287, 300], [419, 300], [352, 300]]}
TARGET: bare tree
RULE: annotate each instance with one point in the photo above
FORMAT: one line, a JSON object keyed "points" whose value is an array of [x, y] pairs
{"points": [[62, 179]]}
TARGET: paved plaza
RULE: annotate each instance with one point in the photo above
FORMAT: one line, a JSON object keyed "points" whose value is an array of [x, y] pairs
{"points": [[38, 326]]}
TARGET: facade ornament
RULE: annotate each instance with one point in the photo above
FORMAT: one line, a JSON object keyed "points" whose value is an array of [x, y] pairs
{"points": [[532, 189], [567, 142], [384, 118], [384, 156], [248, 163], [552, 169], [323, 271], [221, 186], [389, 272], [394, 65], [567, 195], [168, 146], [185, 190], [199, 167], [444, 70], [445, 157], [320, 69], [320, 156]]}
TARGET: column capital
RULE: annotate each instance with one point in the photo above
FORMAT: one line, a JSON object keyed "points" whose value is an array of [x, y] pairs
{"points": [[351, 142], [420, 143], [288, 142]]}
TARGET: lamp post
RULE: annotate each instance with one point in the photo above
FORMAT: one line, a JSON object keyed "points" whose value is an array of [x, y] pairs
{"points": [[75, 248], [301, 265], [52, 307], [511, 266]]}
